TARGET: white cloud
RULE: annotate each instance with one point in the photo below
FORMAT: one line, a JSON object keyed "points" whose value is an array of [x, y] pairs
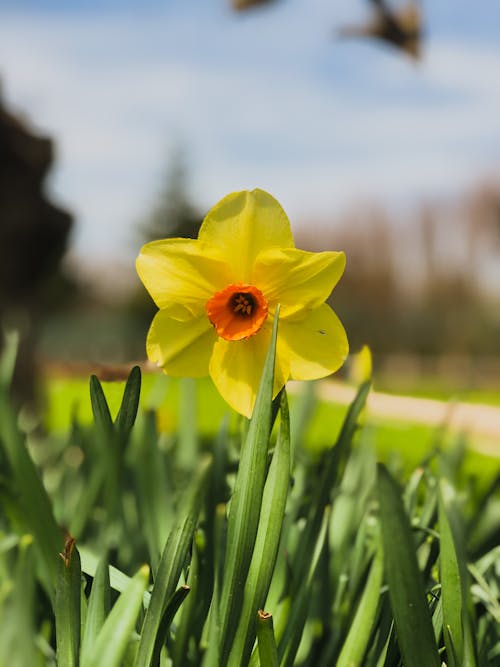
{"points": [[319, 128]]}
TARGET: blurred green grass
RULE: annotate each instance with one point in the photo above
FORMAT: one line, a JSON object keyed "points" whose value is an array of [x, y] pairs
{"points": [[404, 444]]}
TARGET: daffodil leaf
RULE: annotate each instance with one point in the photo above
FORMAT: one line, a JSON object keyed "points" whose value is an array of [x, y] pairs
{"points": [[114, 637], [406, 589], [268, 650], [17, 608], [266, 542], [290, 639], [153, 488], [32, 505], [171, 609], [8, 359], [98, 608], [334, 464], [246, 502], [67, 606], [454, 581], [360, 629], [172, 561], [129, 405], [100, 408]]}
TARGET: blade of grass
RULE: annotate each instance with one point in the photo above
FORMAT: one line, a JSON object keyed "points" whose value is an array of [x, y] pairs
{"points": [[356, 642], [67, 608], [189, 625], [168, 616], [108, 460], [171, 564], [332, 470], [210, 640], [100, 409], [406, 589], [288, 644], [17, 646], [98, 609], [118, 579], [130, 403], [246, 502], [8, 359], [454, 581], [115, 634], [187, 445], [33, 503], [266, 542], [153, 487], [268, 650]]}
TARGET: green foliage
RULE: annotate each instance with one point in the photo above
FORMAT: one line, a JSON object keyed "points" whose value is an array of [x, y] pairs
{"points": [[248, 547]]}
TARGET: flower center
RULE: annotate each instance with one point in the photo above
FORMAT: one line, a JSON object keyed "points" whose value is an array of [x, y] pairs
{"points": [[237, 312]]}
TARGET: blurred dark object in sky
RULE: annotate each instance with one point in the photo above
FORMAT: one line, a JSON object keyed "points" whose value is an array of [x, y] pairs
{"points": [[241, 5], [399, 27], [33, 236]]}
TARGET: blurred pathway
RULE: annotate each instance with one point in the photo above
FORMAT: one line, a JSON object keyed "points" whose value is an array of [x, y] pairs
{"points": [[476, 419]]}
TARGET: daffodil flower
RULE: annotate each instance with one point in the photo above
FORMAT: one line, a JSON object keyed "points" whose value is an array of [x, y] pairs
{"points": [[217, 296]]}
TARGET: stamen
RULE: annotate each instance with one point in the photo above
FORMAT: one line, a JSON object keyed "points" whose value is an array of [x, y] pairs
{"points": [[237, 312], [243, 303]]}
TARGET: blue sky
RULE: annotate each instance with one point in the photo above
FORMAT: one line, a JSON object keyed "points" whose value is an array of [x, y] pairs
{"points": [[267, 98]]}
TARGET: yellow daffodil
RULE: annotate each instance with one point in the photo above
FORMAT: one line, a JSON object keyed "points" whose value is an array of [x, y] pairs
{"points": [[217, 297]]}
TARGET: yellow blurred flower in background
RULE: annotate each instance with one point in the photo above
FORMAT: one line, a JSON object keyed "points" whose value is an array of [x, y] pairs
{"points": [[217, 296]]}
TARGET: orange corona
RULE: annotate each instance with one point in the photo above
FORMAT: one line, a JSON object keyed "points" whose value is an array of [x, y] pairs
{"points": [[238, 311]]}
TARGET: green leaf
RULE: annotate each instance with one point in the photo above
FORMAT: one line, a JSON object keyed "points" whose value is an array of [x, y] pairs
{"points": [[360, 630], [266, 543], [332, 471], [406, 589], [17, 638], [187, 446], [172, 561], [115, 635], [168, 616], [153, 487], [454, 581], [98, 609], [100, 409], [268, 651], [33, 504], [129, 405], [67, 608], [246, 502], [8, 359], [119, 581], [289, 643]]}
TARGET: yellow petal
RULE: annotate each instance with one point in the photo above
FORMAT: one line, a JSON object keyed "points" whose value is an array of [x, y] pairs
{"points": [[315, 346], [236, 368], [181, 273], [181, 348], [297, 279], [242, 225]]}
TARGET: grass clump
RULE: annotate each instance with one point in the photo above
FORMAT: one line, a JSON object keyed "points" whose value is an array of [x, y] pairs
{"points": [[242, 548]]}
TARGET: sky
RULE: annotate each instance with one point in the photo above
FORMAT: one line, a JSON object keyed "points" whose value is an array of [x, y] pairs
{"points": [[268, 98]]}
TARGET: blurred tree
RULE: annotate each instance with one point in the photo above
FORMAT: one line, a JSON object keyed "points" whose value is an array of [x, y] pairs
{"points": [[483, 229], [422, 294], [33, 236], [173, 215]]}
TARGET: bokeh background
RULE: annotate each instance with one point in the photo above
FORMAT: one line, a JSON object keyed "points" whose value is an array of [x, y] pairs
{"points": [[126, 121]]}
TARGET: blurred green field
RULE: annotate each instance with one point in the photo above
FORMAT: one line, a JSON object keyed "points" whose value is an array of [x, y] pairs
{"points": [[316, 422]]}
